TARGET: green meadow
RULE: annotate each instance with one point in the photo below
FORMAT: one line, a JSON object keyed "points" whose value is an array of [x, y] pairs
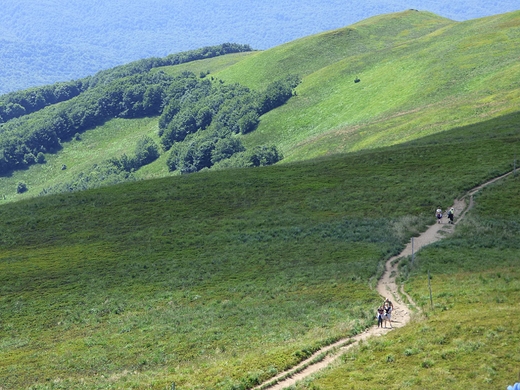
{"points": [[219, 280], [117, 137]]}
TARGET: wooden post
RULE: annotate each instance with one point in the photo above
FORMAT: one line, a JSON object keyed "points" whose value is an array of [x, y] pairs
{"points": [[413, 255], [173, 386], [430, 288]]}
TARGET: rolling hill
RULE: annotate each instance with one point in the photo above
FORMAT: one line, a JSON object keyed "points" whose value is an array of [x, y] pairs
{"points": [[405, 92], [223, 278], [418, 74]]}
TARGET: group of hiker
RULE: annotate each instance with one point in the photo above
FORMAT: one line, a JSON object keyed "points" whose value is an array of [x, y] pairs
{"points": [[384, 313], [450, 213]]}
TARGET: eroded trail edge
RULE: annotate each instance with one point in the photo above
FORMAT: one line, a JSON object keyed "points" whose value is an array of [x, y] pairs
{"points": [[387, 287]]}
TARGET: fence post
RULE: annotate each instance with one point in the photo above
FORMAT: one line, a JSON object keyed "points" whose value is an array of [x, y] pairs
{"points": [[413, 254], [430, 288], [173, 386]]}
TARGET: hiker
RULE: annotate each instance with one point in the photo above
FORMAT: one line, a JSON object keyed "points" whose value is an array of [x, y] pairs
{"points": [[451, 213], [438, 214], [380, 314], [388, 302], [388, 315]]}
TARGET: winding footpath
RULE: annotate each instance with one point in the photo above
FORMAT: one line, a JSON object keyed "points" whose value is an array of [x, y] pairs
{"points": [[387, 288]]}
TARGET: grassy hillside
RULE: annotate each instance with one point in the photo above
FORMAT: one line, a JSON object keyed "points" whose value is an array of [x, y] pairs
{"points": [[220, 279], [419, 74]]}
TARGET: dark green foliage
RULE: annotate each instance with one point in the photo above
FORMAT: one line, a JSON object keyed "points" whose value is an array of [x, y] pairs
{"points": [[145, 65], [196, 104], [226, 110], [146, 151], [16, 104], [195, 153], [263, 155], [128, 91], [187, 105], [278, 92], [21, 188], [42, 131], [255, 157], [40, 158], [225, 148]]}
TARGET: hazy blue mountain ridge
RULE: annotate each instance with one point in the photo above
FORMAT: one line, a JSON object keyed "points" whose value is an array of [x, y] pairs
{"points": [[56, 40]]}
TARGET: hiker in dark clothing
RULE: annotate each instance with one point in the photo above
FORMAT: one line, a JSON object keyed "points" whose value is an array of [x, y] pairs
{"points": [[451, 213], [380, 314]]}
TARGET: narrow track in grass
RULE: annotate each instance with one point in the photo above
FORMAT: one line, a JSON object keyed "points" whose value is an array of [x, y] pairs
{"points": [[387, 287]]}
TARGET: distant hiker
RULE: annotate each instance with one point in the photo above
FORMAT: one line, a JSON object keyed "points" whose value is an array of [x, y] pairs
{"points": [[388, 302], [380, 314], [388, 315], [438, 214], [451, 213]]}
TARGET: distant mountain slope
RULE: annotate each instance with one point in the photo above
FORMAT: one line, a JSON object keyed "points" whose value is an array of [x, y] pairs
{"points": [[59, 40]]}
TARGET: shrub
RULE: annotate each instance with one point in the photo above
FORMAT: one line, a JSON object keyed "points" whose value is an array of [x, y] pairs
{"points": [[40, 158], [21, 188]]}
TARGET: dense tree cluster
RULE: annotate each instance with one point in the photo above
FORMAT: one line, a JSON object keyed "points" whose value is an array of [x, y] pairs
{"points": [[20, 103], [16, 104], [200, 119], [42, 131], [145, 65]]}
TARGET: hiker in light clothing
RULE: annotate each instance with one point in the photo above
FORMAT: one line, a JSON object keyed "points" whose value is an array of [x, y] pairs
{"points": [[388, 314], [438, 214]]}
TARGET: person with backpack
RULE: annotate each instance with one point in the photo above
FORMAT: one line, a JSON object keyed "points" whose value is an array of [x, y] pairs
{"points": [[438, 214], [380, 314], [451, 213], [388, 313]]}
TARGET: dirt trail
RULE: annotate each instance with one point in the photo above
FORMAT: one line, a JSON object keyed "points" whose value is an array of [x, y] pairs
{"points": [[386, 287]]}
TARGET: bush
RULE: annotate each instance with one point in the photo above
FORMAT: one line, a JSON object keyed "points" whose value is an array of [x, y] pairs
{"points": [[146, 151], [21, 188], [40, 158], [264, 155]]}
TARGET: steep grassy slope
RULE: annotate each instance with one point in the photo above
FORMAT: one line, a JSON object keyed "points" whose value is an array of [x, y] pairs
{"points": [[218, 279], [310, 54], [413, 83]]}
